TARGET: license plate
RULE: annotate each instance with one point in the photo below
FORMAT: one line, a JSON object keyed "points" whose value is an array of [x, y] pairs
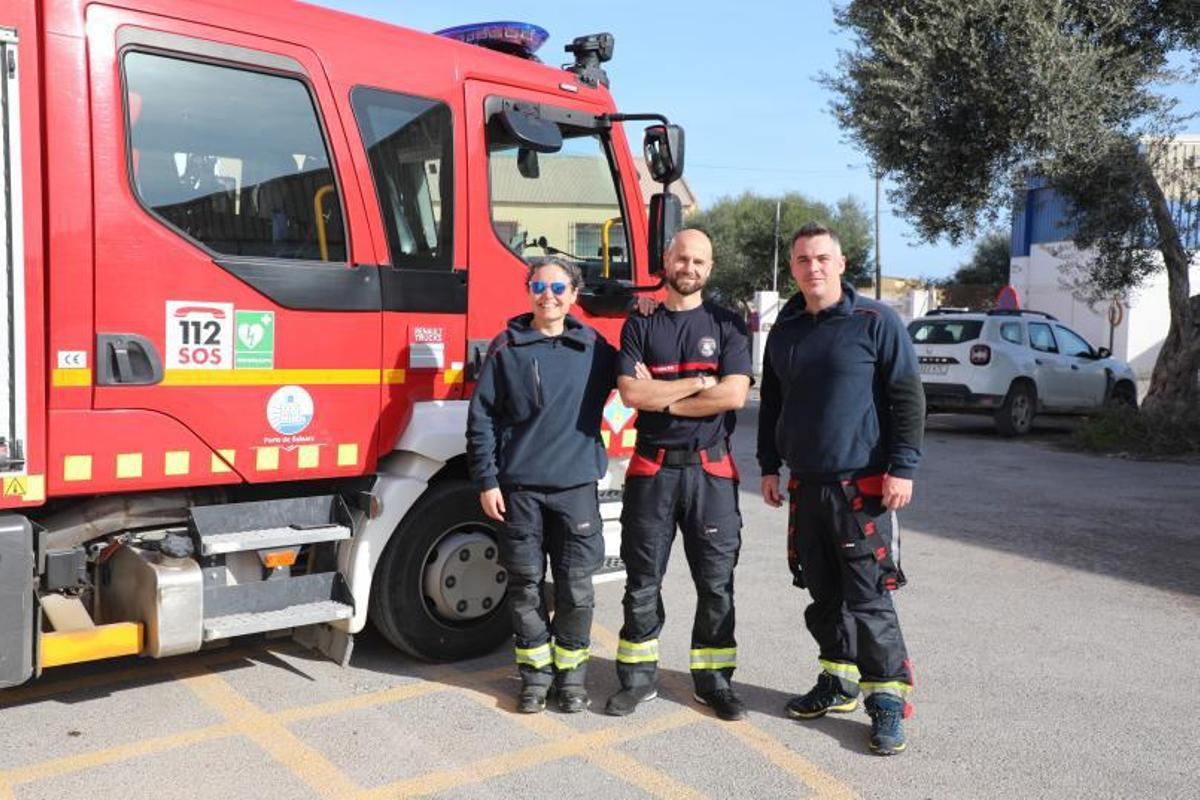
{"points": [[934, 369]]}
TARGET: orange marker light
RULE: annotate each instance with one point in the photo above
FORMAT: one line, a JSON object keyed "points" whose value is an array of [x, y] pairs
{"points": [[280, 558]]}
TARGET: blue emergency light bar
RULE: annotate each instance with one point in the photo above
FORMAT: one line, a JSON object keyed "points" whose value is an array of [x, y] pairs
{"points": [[515, 38]]}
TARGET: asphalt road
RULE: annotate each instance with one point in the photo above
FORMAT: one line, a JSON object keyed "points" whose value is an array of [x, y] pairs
{"points": [[1051, 613]]}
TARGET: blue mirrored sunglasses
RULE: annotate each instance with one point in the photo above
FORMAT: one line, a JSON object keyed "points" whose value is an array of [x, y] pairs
{"points": [[537, 287]]}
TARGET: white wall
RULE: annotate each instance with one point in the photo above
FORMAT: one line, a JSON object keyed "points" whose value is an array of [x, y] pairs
{"points": [[1042, 284]]}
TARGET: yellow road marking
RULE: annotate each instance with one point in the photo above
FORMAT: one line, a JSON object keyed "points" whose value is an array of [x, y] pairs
{"points": [[303, 760], [628, 769], [124, 752], [651, 781], [341, 706], [527, 757], [825, 785], [821, 782], [5, 789], [142, 672]]}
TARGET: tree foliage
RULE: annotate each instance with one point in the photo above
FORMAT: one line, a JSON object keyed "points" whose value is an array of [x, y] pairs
{"points": [[742, 230], [963, 102], [976, 283]]}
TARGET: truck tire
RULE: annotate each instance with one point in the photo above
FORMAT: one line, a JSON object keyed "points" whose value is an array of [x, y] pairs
{"points": [[1015, 415], [439, 591]]}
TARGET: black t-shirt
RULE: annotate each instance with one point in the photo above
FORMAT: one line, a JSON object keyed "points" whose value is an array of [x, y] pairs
{"points": [[708, 340]]}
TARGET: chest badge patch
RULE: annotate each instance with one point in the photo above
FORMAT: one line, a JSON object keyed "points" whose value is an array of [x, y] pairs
{"points": [[708, 346]]}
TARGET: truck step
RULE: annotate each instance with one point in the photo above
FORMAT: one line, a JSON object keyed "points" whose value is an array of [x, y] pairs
{"points": [[216, 544], [290, 617], [267, 524]]}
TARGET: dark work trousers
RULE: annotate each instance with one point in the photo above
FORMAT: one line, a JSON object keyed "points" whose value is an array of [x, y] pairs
{"points": [[844, 558], [564, 525], [705, 507]]}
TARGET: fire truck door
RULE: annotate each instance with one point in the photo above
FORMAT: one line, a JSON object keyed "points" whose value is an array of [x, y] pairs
{"points": [[233, 330], [409, 163], [568, 203]]}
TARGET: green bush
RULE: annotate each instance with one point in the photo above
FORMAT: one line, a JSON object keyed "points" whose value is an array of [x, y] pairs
{"points": [[1142, 433]]}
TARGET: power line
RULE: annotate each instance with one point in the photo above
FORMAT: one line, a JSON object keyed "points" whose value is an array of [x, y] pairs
{"points": [[775, 170]]}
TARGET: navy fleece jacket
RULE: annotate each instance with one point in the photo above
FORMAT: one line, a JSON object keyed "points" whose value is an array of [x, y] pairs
{"points": [[841, 396], [534, 418]]}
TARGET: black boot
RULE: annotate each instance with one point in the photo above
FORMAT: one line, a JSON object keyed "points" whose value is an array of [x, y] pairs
{"points": [[625, 701], [532, 699]]}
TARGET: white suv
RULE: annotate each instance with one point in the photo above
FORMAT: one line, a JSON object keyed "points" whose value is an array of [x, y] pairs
{"points": [[1014, 364]]}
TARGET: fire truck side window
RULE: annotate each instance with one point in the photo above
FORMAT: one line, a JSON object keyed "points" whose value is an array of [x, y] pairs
{"points": [[410, 143], [233, 159], [568, 205]]}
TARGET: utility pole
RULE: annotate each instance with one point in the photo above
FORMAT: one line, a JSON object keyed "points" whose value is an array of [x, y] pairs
{"points": [[878, 266], [775, 268]]}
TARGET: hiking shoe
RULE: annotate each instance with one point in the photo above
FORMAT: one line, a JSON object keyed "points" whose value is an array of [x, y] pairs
{"points": [[887, 724], [625, 701], [572, 699], [532, 699], [826, 696], [724, 703]]}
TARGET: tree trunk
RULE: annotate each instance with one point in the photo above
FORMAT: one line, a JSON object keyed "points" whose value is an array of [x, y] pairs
{"points": [[1173, 383]]}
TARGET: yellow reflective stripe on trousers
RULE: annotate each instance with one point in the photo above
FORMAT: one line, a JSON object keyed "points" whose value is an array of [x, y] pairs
{"points": [[569, 659], [840, 669], [536, 657], [898, 688], [714, 658], [637, 652]]}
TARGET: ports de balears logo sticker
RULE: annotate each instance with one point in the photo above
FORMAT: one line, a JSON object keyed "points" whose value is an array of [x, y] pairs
{"points": [[290, 410]]}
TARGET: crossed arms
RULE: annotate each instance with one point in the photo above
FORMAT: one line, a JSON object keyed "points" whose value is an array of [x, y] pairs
{"points": [[700, 396]]}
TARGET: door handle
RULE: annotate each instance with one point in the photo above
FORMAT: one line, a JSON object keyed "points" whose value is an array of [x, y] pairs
{"points": [[126, 359], [1075, 367], [1039, 362]]}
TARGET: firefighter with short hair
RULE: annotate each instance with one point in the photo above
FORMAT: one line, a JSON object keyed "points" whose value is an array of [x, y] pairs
{"points": [[686, 368], [843, 406], [534, 449]]}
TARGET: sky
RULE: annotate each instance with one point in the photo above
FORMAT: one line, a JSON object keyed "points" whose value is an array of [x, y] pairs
{"points": [[741, 78]]}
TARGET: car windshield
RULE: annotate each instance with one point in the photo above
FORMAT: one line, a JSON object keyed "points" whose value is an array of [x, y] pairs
{"points": [[944, 331]]}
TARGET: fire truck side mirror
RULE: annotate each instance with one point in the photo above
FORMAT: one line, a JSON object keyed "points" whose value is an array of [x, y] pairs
{"points": [[527, 163], [666, 218], [663, 146], [531, 132]]}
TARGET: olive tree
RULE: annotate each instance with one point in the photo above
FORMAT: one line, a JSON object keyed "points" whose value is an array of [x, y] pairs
{"points": [[962, 102]]}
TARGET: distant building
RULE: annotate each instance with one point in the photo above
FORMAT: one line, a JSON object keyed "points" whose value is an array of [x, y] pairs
{"points": [[1042, 254], [571, 203], [908, 296]]}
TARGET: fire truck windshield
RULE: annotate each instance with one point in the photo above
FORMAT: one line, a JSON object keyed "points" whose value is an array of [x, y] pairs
{"points": [[564, 203]]}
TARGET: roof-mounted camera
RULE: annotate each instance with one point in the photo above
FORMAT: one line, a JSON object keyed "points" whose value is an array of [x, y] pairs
{"points": [[590, 52]]}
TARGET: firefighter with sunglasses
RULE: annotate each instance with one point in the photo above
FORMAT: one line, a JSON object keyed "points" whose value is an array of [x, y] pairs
{"points": [[535, 452]]}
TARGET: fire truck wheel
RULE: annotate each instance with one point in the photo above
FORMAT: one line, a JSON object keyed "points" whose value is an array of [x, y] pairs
{"points": [[439, 590]]}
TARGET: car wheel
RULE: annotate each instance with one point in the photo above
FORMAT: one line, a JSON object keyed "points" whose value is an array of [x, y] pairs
{"points": [[1123, 396], [439, 589], [1015, 415]]}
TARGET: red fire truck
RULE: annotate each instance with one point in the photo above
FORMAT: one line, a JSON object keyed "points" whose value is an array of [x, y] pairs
{"points": [[254, 253]]}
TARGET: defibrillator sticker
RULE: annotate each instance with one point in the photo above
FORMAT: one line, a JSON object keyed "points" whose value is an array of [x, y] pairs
{"points": [[254, 347], [199, 335]]}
